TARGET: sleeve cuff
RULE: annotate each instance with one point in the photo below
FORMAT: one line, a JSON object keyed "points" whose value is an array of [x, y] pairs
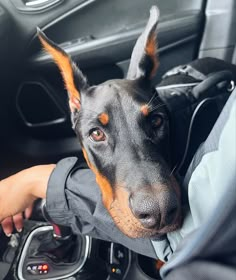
{"points": [[56, 201]]}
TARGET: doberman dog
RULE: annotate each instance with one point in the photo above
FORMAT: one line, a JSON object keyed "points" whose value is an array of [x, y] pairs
{"points": [[123, 130]]}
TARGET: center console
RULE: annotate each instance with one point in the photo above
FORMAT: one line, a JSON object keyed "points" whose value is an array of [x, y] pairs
{"points": [[47, 251]]}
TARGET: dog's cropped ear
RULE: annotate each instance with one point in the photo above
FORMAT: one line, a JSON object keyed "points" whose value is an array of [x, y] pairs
{"points": [[73, 78], [144, 62]]}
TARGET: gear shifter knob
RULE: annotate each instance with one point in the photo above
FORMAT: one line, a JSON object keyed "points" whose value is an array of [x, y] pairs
{"points": [[37, 213], [59, 232]]}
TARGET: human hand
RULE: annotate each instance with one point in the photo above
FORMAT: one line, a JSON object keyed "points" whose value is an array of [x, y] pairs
{"points": [[19, 191], [16, 221]]}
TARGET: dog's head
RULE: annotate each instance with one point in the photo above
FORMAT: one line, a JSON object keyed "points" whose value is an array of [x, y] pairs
{"points": [[123, 130]]}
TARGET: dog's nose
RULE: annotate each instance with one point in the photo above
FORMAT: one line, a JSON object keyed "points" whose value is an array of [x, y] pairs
{"points": [[146, 210], [154, 211], [168, 204]]}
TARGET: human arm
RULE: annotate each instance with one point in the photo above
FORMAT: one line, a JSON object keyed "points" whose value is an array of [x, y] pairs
{"points": [[18, 193]]}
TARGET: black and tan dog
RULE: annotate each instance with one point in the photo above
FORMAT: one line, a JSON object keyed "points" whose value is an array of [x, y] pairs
{"points": [[123, 130]]}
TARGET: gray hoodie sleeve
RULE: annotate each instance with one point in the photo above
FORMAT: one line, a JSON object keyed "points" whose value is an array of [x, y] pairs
{"points": [[74, 199]]}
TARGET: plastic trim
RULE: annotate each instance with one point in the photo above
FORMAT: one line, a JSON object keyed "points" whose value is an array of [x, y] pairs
{"points": [[26, 245]]}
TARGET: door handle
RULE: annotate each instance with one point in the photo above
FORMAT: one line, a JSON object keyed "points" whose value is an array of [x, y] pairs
{"points": [[41, 3]]}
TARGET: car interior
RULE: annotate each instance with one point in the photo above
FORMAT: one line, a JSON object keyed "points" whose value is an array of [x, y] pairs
{"points": [[35, 121]]}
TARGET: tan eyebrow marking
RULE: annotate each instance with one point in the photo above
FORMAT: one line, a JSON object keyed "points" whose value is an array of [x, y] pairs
{"points": [[145, 110], [103, 118]]}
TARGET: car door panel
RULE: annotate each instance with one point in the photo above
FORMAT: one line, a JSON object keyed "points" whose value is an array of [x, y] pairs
{"points": [[117, 47]]}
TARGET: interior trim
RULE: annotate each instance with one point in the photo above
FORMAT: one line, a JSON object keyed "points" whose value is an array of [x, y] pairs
{"points": [[63, 16], [26, 245], [183, 29]]}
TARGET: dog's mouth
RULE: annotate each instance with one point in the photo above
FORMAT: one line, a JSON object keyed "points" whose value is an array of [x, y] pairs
{"points": [[133, 227]]}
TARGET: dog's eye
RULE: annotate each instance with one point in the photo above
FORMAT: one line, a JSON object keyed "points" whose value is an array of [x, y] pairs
{"points": [[157, 121], [97, 135]]}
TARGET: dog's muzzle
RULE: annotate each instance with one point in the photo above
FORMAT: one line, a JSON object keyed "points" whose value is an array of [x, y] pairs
{"points": [[154, 211]]}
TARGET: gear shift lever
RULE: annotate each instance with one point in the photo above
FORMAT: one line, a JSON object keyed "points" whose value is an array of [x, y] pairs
{"points": [[59, 232], [57, 243], [54, 247]]}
